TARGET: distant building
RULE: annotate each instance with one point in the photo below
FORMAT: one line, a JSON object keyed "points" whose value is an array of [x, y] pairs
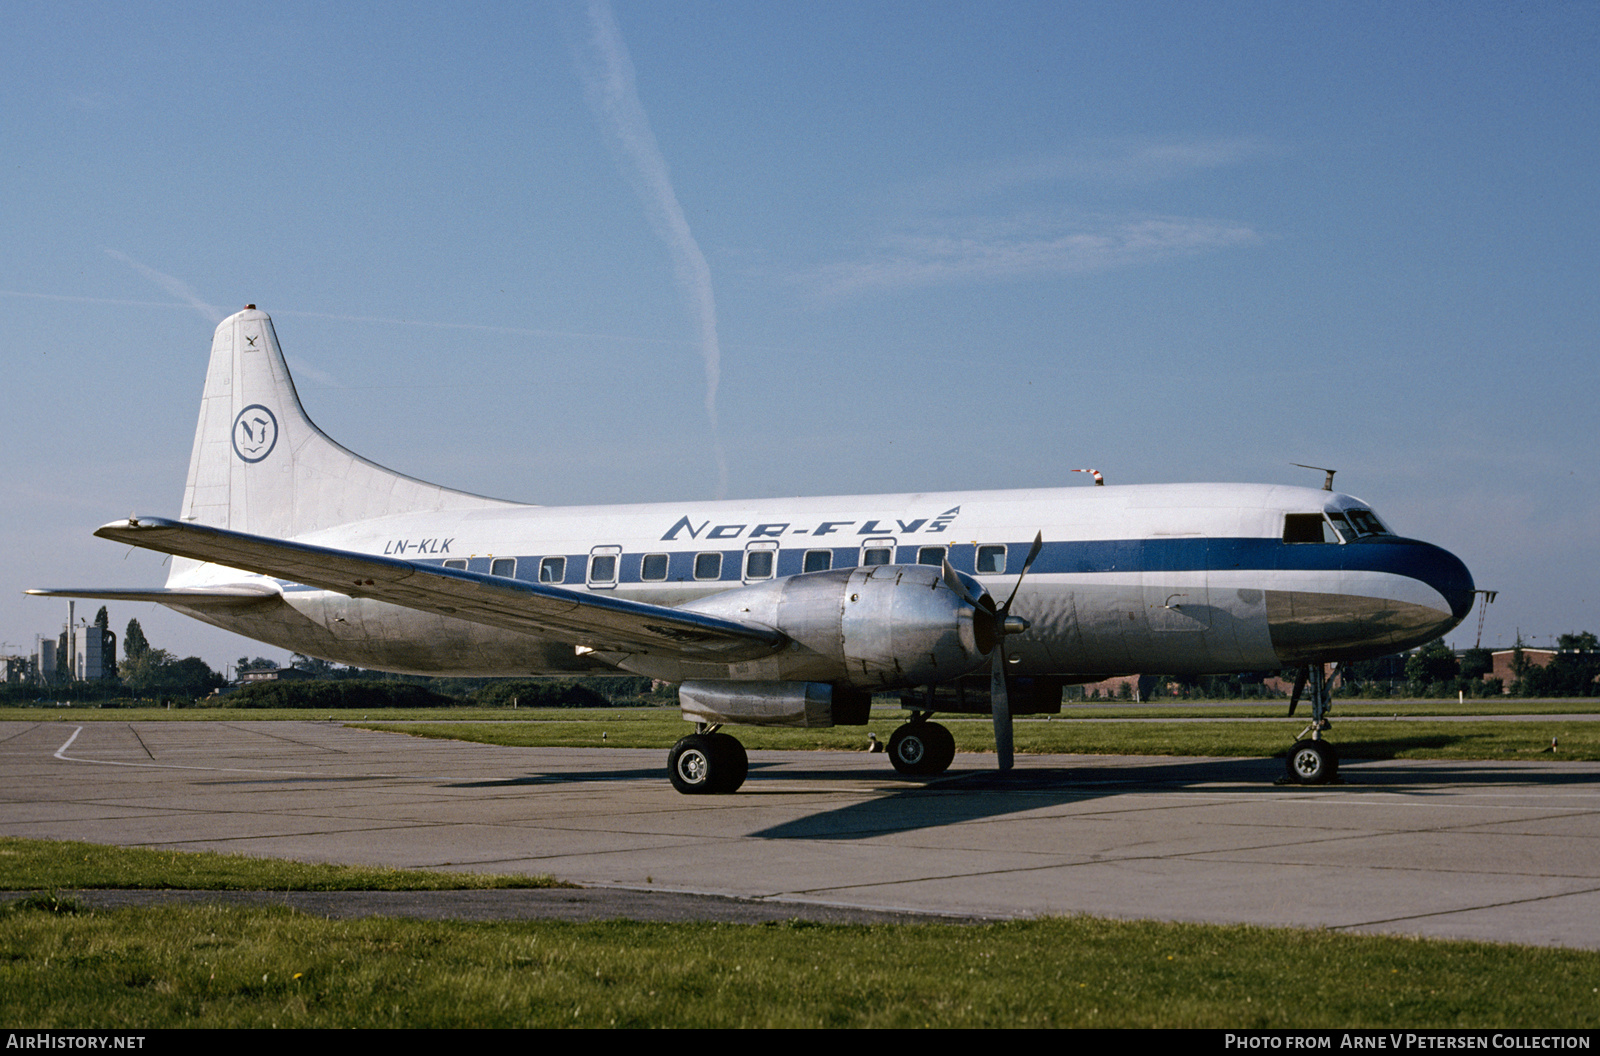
{"points": [[1138, 688], [1504, 658], [97, 654], [45, 660], [15, 668]]}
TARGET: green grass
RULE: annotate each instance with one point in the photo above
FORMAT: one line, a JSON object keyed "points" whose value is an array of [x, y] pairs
{"points": [[27, 865], [92, 711], [1236, 709], [219, 967], [65, 966], [1116, 729], [1401, 738]]}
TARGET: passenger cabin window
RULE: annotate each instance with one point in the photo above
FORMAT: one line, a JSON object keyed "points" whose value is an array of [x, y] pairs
{"points": [[553, 570], [653, 568], [877, 555], [991, 560], [503, 566], [1306, 528], [602, 569], [708, 566], [456, 564], [817, 561], [931, 555]]}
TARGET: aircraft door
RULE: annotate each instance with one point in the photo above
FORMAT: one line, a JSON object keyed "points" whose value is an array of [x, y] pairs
{"points": [[877, 552], [1176, 588], [760, 561]]}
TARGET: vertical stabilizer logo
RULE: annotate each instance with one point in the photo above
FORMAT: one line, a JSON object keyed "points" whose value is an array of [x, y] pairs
{"points": [[255, 433]]}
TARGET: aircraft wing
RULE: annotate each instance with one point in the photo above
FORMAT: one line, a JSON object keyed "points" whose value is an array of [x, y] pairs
{"points": [[222, 596], [600, 621]]}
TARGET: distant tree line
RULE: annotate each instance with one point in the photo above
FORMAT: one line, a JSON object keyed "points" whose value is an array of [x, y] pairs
{"points": [[147, 675], [1434, 670]]}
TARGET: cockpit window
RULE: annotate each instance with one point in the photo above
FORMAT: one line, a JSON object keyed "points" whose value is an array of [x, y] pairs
{"points": [[1366, 522], [1349, 524], [1306, 528]]}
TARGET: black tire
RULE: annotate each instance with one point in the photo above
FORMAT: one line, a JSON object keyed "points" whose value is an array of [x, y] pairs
{"points": [[704, 764], [731, 763], [921, 749], [690, 765], [1312, 763]]}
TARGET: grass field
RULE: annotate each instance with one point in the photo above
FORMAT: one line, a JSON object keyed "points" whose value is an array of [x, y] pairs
{"points": [[209, 966], [65, 966], [1378, 738], [1363, 729]]}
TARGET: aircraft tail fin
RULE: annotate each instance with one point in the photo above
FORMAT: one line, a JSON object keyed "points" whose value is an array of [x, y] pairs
{"points": [[261, 466]]}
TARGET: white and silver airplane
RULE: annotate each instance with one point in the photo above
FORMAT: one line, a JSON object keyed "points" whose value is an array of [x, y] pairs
{"points": [[785, 612]]}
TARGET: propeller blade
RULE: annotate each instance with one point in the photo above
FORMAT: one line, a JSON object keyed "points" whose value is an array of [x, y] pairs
{"points": [[1000, 705], [953, 581], [1033, 552], [1299, 688]]}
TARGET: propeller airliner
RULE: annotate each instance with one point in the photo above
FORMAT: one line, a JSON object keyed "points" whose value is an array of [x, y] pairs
{"points": [[781, 612]]}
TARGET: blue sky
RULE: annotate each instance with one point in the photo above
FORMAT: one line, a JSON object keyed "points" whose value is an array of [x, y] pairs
{"points": [[938, 246]]}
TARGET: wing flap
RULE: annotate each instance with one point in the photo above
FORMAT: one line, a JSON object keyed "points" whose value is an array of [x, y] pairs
{"points": [[599, 621]]}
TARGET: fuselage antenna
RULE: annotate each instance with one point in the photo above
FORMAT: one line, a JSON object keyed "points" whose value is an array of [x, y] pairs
{"points": [[1327, 482]]}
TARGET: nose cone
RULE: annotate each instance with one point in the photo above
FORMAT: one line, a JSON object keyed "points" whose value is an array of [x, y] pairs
{"points": [[1382, 596], [1445, 573]]}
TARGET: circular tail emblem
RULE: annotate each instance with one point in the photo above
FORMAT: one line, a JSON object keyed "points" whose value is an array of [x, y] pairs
{"points": [[255, 432]]}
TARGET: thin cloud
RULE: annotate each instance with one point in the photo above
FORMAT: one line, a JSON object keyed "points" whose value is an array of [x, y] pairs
{"points": [[517, 331], [302, 369], [1129, 161], [988, 250], [177, 287], [607, 72], [983, 223]]}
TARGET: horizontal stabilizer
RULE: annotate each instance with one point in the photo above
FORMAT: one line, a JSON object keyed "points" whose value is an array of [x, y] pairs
{"points": [[226, 596], [601, 622]]}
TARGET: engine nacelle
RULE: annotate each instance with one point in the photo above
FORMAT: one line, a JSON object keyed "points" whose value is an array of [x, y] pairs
{"points": [[880, 627], [803, 704]]}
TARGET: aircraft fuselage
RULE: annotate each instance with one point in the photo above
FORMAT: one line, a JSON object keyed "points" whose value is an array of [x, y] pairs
{"points": [[1182, 579]]}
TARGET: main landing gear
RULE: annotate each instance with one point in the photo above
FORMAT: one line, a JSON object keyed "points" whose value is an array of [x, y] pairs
{"points": [[921, 748], [1312, 760], [707, 763]]}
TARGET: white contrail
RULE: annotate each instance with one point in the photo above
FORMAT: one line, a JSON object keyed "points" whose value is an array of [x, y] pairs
{"points": [[177, 287], [607, 72]]}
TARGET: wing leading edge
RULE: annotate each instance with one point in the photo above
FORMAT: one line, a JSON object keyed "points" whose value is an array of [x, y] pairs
{"points": [[598, 621]]}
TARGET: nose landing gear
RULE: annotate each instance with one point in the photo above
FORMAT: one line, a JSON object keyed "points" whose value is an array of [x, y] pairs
{"points": [[1312, 760]]}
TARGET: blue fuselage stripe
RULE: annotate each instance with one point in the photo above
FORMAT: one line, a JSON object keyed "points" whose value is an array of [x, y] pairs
{"points": [[1421, 561]]}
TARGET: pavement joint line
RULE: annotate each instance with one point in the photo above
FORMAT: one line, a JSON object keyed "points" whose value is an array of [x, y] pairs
{"points": [[1515, 837], [1437, 914]]}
